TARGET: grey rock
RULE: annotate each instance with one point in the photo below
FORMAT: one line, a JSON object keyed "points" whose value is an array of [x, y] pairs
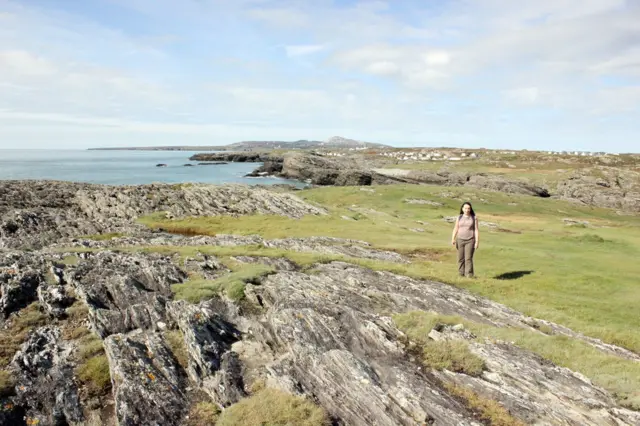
{"points": [[319, 170], [148, 384], [209, 267], [320, 245], [538, 392], [501, 184], [34, 214], [607, 187], [349, 357], [208, 338], [271, 167], [421, 201], [335, 246], [125, 292], [45, 386], [18, 288], [236, 157], [278, 263], [55, 299]]}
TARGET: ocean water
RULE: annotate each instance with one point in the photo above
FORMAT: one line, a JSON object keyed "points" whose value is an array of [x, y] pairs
{"points": [[123, 167]]}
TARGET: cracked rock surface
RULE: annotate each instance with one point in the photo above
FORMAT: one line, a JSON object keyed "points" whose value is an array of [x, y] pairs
{"points": [[323, 331]]}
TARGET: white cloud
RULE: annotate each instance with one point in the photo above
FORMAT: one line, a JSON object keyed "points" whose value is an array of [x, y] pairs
{"points": [[280, 17], [24, 63], [523, 95], [437, 58], [214, 70], [382, 68], [306, 49]]}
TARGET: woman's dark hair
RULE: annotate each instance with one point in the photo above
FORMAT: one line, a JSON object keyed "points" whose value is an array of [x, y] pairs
{"points": [[464, 204]]}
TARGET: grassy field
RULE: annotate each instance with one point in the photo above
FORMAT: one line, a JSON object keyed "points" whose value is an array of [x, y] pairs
{"points": [[580, 275]]}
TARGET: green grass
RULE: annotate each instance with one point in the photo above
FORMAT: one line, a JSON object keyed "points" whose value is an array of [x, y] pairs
{"points": [[93, 367], [70, 260], [301, 259], [489, 410], [274, 408], [94, 373], [13, 336], [102, 237], [577, 280], [175, 341], [452, 355], [203, 414], [618, 376], [232, 285]]}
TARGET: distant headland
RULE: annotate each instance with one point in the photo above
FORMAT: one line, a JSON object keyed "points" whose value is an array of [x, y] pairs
{"points": [[334, 142]]}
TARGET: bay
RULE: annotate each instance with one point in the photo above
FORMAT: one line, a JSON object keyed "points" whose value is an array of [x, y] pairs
{"points": [[123, 168]]}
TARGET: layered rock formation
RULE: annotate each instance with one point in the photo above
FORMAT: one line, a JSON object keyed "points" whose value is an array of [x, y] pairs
{"points": [[322, 331], [36, 213], [235, 157]]}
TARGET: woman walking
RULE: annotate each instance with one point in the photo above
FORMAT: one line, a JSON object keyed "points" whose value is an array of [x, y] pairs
{"points": [[465, 238]]}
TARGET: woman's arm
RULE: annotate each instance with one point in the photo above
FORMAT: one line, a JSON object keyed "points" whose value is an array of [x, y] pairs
{"points": [[477, 233], [455, 232]]}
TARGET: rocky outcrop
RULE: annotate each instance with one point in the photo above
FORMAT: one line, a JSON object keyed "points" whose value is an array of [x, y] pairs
{"points": [[148, 384], [476, 180], [38, 213], [208, 338], [18, 288], [323, 330], [319, 245], [531, 399], [45, 388], [125, 292], [272, 167], [349, 355], [501, 184], [603, 187], [55, 298], [235, 157], [319, 170]]}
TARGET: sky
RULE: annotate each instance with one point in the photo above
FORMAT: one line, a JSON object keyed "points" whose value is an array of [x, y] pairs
{"points": [[543, 74]]}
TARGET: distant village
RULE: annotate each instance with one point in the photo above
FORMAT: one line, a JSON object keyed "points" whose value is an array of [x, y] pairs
{"points": [[438, 155], [422, 155]]}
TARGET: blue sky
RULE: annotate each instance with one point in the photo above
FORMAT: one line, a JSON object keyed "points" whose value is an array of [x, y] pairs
{"points": [[547, 74]]}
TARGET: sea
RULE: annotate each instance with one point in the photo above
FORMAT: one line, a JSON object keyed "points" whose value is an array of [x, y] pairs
{"points": [[124, 168]]}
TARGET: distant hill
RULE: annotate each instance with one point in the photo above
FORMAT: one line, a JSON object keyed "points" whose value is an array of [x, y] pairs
{"points": [[340, 142], [333, 142]]}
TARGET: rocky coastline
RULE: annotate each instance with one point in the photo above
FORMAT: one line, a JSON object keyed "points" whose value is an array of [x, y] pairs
{"points": [[108, 308], [613, 188]]}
